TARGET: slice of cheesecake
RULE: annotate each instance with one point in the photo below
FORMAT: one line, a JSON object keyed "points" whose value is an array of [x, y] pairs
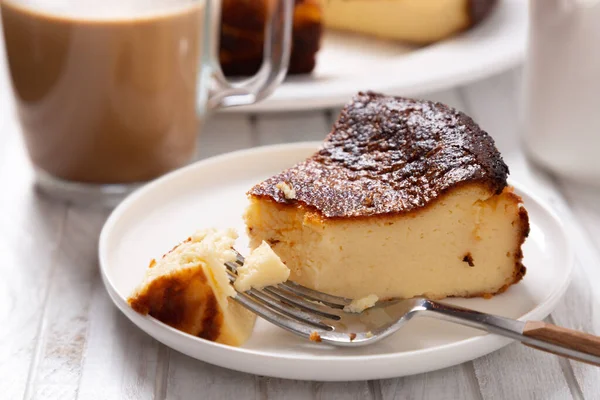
{"points": [[188, 289], [416, 21], [405, 198]]}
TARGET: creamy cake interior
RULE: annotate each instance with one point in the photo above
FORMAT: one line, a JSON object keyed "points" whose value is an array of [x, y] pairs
{"points": [[418, 21], [461, 245]]}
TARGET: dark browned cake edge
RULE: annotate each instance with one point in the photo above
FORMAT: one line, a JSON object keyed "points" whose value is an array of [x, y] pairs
{"points": [[520, 270], [389, 155], [167, 298], [242, 37], [478, 10]]}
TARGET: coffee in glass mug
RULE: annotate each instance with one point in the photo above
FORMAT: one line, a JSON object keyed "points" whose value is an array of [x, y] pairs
{"points": [[111, 93]]}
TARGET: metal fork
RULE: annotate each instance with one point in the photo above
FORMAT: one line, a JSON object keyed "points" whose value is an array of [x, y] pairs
{"points": [[321, 317]]}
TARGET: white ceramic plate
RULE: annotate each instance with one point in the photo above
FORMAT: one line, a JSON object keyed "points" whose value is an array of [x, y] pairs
{"points": [[212, 193], [347, 63]]}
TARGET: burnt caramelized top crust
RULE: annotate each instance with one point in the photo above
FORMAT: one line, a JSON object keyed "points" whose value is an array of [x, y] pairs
{"points": [[390, 155]]}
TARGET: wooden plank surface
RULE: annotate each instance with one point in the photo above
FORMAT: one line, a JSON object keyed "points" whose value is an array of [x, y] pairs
{"points": [[580, 308], [63, 338], [31, 233], [292, 127], [458, 382], [121, 361], [224, 133]]}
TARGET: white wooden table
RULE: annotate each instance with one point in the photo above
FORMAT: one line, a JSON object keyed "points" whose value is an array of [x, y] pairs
{"points": [[62, 338]]}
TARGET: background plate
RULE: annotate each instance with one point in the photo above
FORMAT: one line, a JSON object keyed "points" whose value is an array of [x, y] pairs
{"points": [[212, 193], [347, 63]]}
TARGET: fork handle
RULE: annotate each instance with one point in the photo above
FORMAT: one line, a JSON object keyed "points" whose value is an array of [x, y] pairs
{"points": [[554, 339], [563, 337]]}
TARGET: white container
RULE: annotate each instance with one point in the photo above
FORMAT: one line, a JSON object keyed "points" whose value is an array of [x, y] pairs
{"points": [[562, 88]]}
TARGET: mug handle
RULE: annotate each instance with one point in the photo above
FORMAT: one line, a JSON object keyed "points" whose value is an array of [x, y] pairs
{"points": [[276, 57]]}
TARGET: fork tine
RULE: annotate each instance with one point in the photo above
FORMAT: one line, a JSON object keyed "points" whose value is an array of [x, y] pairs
{"points": [[297, 301], [293, 299], [239, 258], [327, 299], [303, 291], [288, 310], [274, 317], [282, 308]]}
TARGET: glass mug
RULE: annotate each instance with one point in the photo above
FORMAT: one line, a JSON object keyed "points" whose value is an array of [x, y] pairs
{"points": [[111, 93]]}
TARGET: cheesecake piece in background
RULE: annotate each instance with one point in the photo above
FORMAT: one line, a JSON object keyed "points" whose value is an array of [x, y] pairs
{"points": [[414, 21]]}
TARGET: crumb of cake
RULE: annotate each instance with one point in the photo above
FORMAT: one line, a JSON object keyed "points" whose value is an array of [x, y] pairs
{"points": [[468, 258], [352, 336], [315, 337], [288, 191], [487, 296], [369, 334], [152, 263], [359, 305], [261, 268], [368, 201]]}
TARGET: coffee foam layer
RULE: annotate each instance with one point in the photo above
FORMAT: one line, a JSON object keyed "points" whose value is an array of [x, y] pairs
{"points": [[105, 9]]}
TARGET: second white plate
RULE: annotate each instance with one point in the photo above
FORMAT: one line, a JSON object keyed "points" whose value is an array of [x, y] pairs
{"points": [[347, 63], [212, 193]]}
